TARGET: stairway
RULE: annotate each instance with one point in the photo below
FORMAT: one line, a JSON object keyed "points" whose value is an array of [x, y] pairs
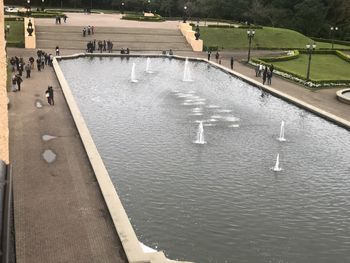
{"points": [[136, 39]]}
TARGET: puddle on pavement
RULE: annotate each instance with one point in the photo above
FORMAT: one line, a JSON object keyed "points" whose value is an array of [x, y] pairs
{"points": [[49, 156], [38, 104], [47, 137]]}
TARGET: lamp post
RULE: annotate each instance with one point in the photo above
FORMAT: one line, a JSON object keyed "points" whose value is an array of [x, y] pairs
{"points": [[122, 8], [42, 5], [185, 14], [28, 8], [250, 34], [333, 28], [309, 49], [149, 6]]}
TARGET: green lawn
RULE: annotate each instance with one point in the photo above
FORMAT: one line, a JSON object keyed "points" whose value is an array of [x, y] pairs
{"points": [[323, 67], [329, 45], [16, 31], [268, 38]]}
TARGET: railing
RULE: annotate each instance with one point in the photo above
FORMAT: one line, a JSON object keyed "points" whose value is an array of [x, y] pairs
{"points": [[5, 210]]}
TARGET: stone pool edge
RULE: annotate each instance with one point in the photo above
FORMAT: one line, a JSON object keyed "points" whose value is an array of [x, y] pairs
{"points": [[126, 233], [342, 97]]}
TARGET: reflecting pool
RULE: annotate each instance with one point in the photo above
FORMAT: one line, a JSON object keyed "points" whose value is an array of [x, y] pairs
{"points": [[220, 200]]}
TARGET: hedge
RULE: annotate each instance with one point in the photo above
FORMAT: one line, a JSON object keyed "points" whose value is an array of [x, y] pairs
{"points": [[281, 58], [42, 14], [326, 40], [302, 79], [232, 26], [14, 44], [155, 18]]}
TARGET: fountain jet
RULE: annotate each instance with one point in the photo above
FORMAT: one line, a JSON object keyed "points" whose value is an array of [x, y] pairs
{"points": [[277, 167], [187, 72], [200, 134], [133, 74], [148, 66], [281, 138]]}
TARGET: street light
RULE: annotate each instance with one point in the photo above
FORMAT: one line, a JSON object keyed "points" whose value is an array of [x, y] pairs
{"points": [[122, 11], [42, 5], [149, 6], [333, 28], [185, 14], [28, 8], [250, 34], [309, 49]]}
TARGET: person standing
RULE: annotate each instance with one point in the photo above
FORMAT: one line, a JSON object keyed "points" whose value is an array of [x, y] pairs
{"points": [[217, 56], [49, 95], [27, 68], [18, 81], [264, 75], [209, 53], [231, 62], [57, 51], [14, 83]]}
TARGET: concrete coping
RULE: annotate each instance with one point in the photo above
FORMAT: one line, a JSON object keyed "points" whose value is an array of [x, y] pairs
{"points": [[117, 212], [342, 97]]}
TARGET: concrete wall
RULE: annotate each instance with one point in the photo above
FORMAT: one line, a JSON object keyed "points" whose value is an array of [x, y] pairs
{"points": [[4, 132], [188, 33]]}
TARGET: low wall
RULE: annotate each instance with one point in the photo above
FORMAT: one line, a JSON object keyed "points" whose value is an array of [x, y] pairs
{"points": [[342, 97], [4, 130], [188, 33], [29, 41]]}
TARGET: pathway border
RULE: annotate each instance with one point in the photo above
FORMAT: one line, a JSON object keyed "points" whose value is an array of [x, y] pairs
{"points": [[120, 219]]}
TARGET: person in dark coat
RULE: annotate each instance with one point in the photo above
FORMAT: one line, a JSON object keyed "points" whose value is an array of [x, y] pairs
{"points": [[264, 75], [18, 81], [231, 62], [209, 53], [27, 68], [49, 95]]}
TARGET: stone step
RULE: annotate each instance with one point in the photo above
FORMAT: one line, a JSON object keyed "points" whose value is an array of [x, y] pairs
{"points": [[109, 30], [110, 36], [45, 44]]}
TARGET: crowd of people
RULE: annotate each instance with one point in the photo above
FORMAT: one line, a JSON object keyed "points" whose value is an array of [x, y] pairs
{"points": [[19, 67], [101, 46], [90, 30], [265, 72]]}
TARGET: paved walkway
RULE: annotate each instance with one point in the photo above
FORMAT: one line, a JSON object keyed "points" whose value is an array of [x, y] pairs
{"points": [[59, 212]]}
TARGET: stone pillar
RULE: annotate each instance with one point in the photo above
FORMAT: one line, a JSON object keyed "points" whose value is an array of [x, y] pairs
{"points": [[30, 41], [4, 130]]}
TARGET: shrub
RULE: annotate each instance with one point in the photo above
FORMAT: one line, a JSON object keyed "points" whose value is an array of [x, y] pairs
{"points": [[19, 44], [222, 26], [156, 18], [293, 55], [325, 40], [14, 18]]}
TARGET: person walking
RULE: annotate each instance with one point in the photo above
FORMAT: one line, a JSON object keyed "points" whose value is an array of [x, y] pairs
{"points": [[217, 56], [209, 53], [14, 83], [18, 81], [231, 62], [49, 96], [27, 68], [264, 75], [57, 51]]}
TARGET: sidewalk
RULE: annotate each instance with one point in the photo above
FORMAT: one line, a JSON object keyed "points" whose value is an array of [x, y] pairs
{"points": [[59, 212]]}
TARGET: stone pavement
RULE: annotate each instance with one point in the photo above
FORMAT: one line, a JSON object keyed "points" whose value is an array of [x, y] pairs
{"points": [[59, 211]]}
